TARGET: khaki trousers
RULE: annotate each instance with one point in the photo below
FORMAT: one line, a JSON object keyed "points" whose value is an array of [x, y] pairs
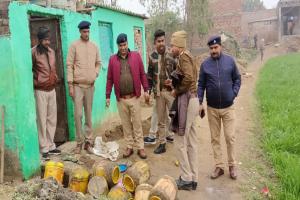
{"points": [[46, 113], [130, 114], [163, 105], [154, 123], [188, 144], [215, 118], [83, 97]]}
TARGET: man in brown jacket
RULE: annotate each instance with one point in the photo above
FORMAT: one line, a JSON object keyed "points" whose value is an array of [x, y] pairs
{"points": [[188, 143], [83, 63], [44, 81]]}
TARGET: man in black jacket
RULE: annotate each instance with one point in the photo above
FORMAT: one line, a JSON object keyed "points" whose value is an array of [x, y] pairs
{"points": [[220, 78]]}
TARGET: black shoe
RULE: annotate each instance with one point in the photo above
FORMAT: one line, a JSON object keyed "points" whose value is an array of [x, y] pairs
{"points": [[170, 139], [160, 149], [184, 185], [45, 156], [194, 185], [149, 140], [55, 152]]}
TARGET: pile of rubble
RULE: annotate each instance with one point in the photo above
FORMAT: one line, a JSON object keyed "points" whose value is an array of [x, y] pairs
{"points": [[46, 189]]}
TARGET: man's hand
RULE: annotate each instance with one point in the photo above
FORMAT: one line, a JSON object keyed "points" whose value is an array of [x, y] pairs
{"points": [[107, 104], [71, 91], [147, 97], [201, 111], [168, 82], [173, 93]]}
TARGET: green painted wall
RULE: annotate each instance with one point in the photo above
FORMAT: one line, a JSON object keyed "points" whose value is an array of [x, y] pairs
{"points": [[17, 74], [7, 93]]}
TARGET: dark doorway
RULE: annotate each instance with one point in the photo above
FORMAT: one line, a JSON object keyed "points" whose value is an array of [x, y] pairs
{"points": [[53, 24], [290, 18]]}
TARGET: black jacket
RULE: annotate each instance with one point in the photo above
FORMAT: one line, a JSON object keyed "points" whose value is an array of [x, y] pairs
{"points": [[221, 80]]}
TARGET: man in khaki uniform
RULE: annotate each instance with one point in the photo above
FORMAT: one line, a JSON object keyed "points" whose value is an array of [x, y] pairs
{"points": [[83, 63], [161, 65], [220, 78], [188, 143]]}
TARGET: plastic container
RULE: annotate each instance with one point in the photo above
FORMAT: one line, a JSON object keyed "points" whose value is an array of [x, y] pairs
{"points": [[79, 180], [55, 170]]}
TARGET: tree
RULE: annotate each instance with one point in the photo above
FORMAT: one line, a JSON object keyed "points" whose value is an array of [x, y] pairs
{"points": [[197, 19], [159, 7], [253, 5], [163, 15], [168, 21], [191, 15]]}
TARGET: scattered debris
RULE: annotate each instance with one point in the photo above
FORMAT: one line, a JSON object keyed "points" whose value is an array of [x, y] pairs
{"points": [[69, 157], [176, 162], [247, 74], [45, 189], [87, 161], [266, 192], [109, 150]]}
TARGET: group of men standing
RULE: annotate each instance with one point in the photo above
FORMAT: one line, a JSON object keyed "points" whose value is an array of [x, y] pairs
{"points": [[172, 77]]}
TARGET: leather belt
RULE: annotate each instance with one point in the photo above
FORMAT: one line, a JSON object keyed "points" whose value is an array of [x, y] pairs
{"points": [[77, 84], [128, 96]]}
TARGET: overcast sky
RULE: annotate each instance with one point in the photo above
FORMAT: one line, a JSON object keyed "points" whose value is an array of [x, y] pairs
{"points": [[135, 6], [270, 3]]}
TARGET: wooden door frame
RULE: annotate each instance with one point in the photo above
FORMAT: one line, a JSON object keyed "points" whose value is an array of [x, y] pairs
{"points": [[39, 17]]}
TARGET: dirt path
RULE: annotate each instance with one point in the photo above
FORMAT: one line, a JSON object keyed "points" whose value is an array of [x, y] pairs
{"points": [[223, 188], [248, 154]]}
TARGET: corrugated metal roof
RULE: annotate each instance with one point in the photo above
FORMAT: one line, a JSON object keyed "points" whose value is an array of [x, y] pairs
{"points": [[118, 9], [288, 2], [263, 20]]}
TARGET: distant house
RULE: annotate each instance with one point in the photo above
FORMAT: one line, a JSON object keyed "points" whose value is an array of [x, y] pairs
{"points": [[16, 85], [288, 12], [264, 23]]}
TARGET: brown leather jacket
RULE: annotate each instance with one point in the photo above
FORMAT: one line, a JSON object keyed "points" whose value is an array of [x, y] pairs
{"points": [[186, 66], [44, 70]]}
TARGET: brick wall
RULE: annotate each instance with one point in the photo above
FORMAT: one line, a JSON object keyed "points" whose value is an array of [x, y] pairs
{"points": [[267, 29], [4, 28], [227, 16], [250, 17]]}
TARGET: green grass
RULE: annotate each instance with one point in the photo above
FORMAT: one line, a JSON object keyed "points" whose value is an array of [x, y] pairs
{"points": [[278, 92]]}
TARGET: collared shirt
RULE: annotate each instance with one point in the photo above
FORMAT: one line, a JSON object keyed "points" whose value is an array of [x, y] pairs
{"points": [[126, 82]]}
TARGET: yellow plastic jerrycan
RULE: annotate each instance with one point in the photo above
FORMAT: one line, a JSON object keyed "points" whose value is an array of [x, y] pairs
{"points": [[55, 170], [79, 180]]}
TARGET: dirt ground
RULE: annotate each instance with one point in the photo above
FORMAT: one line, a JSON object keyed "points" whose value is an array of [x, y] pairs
{"points": [[247, 150], [250, 161], [253, 170]]}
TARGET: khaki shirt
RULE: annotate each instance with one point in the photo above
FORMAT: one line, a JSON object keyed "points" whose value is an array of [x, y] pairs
{"points": [[187, 67], [83, 63]]}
